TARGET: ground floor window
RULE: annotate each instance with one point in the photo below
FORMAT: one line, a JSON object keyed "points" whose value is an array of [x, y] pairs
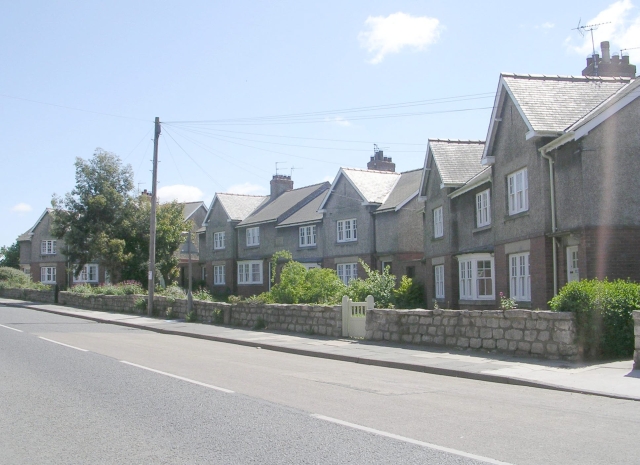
{"points": [[89, 274], [519, 277], [250, 272], [438, 272], [385, 265], [476, 277], [218, 274], [48, 274], [347, 272]]}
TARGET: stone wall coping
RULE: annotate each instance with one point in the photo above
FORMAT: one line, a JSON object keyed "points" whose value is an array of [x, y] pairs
{"points": [[636, 315], [533, 314]]}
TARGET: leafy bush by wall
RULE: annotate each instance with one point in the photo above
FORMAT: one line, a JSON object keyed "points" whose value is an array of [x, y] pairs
{"points": [[378, 284], [409, 294], [603, 312]]}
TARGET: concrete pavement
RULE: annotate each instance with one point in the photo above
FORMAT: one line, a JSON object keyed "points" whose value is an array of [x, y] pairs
{"points": [[608, 379]]}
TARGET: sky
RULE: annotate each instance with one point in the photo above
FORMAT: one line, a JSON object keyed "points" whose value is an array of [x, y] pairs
{"points": [[248, 89]]}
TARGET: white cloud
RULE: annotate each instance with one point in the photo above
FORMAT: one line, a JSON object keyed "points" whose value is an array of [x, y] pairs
{"points": [[622, 30], [397, 31], [547, 25], [339, 120], [180, 192], [21, 208], [247, 188]]}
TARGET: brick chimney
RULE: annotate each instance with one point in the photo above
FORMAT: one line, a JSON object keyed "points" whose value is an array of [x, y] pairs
{"points": [[609, 66], [280, 184], [380, 162]]}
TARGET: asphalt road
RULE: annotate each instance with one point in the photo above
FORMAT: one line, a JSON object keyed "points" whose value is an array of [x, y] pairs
{"points": [[121, 395]]}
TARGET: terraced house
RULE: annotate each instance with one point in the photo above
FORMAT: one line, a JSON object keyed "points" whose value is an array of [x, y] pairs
{"points": [[550, 197]]}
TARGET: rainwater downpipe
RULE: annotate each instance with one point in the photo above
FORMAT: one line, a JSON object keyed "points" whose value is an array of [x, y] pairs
{"points": [[554, 228]]}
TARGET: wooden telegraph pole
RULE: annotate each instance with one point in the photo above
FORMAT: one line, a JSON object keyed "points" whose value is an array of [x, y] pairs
{"points": [[152, 236]]}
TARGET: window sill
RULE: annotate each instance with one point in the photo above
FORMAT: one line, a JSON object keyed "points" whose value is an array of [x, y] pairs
{"points": [[346, 242], [522, 304], [307, 247], [250, 284], [516, 215], [256, 246], [477, 301], [436, 239], [481, 229]]}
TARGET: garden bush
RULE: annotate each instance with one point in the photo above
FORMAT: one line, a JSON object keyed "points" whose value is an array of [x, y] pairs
{"points": [[13, 276], [378, 284], [603, 312], [409, 294]]}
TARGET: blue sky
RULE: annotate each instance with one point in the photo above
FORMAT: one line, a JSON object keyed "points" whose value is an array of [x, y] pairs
{"points": [[225, 79]]}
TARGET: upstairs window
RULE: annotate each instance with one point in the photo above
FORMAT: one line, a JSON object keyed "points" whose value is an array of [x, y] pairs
{"points": [[483, 209], [48, 247], [218, 240], [253, 236], [347, 230], [307, 236], [518, 188], [438, 226]]}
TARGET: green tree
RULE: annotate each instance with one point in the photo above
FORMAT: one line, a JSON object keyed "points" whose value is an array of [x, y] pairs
{"points": [[378, 284], [10, 256], [102, 220]]}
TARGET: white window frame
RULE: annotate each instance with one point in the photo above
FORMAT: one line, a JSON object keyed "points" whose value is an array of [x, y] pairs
{"points": [[520, 277], [347, 272], [307, 236], [219, 275], [48, 274], [518, 191], [473, 279], [573, 264], [48, 247], [250, 272], [88, 274], [218, 240], [438, 223], [203, 273], [483, 208], [253, 236], [347, 230], [438, 272], [311, 266]]}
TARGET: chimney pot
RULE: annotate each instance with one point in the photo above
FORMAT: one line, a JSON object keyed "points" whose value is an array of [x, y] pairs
{"points": [[280, 184], [604, 46]]}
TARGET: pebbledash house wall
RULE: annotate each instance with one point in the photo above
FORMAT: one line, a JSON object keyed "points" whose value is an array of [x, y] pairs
{"points": [[598, 206], [398, 236], [345, 203], [219, 222]]}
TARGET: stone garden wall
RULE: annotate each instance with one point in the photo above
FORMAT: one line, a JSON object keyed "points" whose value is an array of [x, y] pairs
{"points": [[522, 332], [31, 295], [312, 319]]}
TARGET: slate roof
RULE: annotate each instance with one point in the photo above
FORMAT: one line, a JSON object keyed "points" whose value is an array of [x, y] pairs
{"points": [[457, 160], [553, 103], [189, 208], [239, 206], [307, 214], [407, 186], [284, 204], [374, 186]]}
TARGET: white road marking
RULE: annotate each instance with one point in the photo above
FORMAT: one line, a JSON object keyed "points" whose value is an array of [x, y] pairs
{"points": [[410, 441], [9, 327], [210, 386], [63, 344]]}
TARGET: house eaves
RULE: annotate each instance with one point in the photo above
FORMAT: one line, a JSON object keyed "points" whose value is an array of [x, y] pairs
{"points": [[481, 178]]}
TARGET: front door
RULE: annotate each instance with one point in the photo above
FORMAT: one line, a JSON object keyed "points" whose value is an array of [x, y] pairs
{"points": [[573, 273]]}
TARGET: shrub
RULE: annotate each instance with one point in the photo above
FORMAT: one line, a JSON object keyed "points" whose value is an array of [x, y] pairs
{"points": [[603, 312], [13, 276], [409, 294], [131, 287], [84, 289], [259, 324], [203, 294], [234, 299], [191, 317], [299, 285], [173, 293], [378, 284], [141, 304], [217, 316]]}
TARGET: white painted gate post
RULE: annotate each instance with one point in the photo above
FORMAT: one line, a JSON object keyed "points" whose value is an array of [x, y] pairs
{"points": [[370, 302], [346, 313]]}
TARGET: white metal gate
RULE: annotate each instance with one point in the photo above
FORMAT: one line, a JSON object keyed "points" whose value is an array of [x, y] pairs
{"points": [[354, 316]]}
